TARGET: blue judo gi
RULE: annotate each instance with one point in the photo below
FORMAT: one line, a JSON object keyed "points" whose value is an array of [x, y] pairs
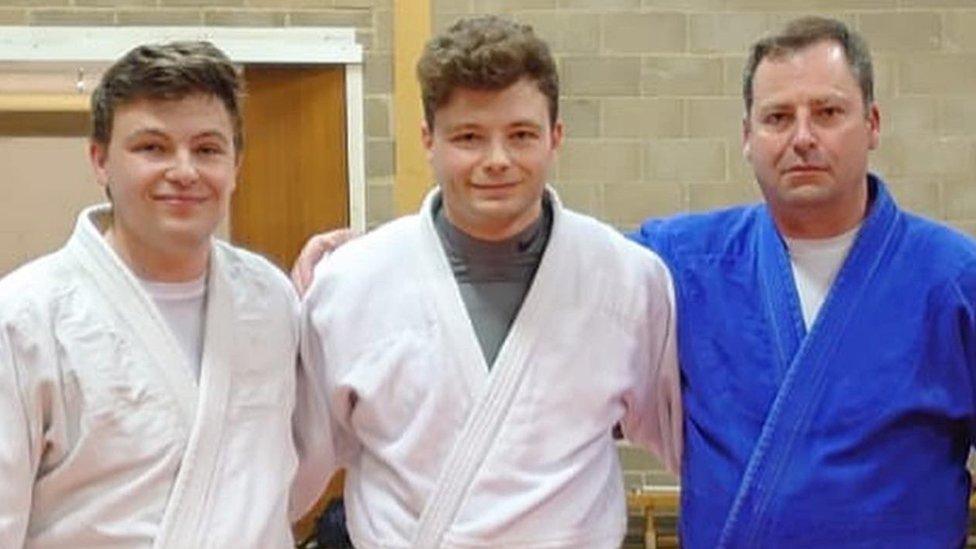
{"points": [[852, 435]]}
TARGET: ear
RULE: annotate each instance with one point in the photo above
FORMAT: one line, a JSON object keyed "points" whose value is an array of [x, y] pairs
{"points": [[874, 126], [98, 156], [556, 136], [746, 133], [427, 138]]}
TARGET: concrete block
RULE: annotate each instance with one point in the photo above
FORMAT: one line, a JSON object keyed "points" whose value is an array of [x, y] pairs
{"points": [[643, 117], [685, 161], [601, 76], [684, 76], [658, 32]]}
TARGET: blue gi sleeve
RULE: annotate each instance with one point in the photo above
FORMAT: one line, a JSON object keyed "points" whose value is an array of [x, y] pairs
{"points": [[966, 322], [652, 235]]}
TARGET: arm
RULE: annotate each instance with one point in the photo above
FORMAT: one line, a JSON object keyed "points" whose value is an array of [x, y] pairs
{"points": [[313, 427], [965, 322], [323, 444], [654, 414], [16, 463]]}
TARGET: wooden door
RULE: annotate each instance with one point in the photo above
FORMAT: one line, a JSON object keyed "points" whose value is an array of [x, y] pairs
{"points": [[293, 180]]}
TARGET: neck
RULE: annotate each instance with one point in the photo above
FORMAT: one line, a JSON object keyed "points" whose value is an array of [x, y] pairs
{"points": [[495, 232], [823, 221], [159, 265]]}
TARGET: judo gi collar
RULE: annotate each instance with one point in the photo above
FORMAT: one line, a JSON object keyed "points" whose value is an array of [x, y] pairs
{"points": [[133, 304], [804, 359]]}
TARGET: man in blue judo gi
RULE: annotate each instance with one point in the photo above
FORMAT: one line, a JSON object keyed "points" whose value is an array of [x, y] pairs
{"points": [[827, 338]]}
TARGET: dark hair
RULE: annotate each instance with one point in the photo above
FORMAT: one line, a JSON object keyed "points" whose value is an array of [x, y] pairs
{"points": [[485, 53], [806, 31], [169, 72]]}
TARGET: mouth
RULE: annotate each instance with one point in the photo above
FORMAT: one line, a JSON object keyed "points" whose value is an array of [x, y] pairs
{"points": [[800, 170], [178, 199], [494, 186]]}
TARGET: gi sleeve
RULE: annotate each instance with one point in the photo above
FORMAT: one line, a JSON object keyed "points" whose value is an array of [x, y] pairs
{"points": [[17, 467], [322, 444], [653, 417], [651, 235], [965, 321]]}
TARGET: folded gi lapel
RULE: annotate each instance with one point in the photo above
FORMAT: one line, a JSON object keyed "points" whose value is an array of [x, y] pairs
{"points": [[493, 403], [808, 359], [136, 309], [181, 526]]}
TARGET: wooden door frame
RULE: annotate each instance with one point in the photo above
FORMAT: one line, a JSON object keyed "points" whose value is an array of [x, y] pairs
{"points": [[279, 46]]}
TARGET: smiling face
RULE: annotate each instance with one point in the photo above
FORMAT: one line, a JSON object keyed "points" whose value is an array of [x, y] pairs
{"points": [[807, 138], [170, 168], [490, 151]]}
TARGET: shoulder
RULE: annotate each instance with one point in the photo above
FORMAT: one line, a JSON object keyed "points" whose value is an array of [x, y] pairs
{"points": [[253, 273], [602, 251], [356, 286], [375, 253], [37, 282], [936, 239], [596, 238], [713, 232]]}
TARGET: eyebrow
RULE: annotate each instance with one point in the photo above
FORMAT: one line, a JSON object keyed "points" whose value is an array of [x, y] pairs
{"points": [[156, 132]]}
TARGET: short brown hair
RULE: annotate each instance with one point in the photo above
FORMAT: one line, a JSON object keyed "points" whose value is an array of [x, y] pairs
{"points": [[806, 31], [169, 71], [485, 53]]}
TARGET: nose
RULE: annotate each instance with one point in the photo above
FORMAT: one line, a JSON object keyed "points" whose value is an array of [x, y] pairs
{"points": [[182, 171], [498, 158], [803, 134]]}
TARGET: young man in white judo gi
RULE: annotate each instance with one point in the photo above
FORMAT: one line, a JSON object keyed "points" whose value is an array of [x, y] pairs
{"points": [[471, 360], [146, 369]]}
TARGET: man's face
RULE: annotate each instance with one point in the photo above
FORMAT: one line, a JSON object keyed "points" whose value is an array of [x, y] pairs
{"points": [[807, 138], [170, 168], [490, 152]]}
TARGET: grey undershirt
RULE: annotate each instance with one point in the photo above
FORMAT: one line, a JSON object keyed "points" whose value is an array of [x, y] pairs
{"points": [[493, 277]]}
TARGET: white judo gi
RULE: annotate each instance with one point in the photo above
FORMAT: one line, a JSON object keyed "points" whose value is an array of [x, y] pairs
{"points": [[442, 452], [106, 439]]}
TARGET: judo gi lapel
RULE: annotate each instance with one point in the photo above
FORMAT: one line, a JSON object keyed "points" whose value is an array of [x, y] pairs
{"points": [[182, 524], [806, 359], [134, 307], [496, 391]]}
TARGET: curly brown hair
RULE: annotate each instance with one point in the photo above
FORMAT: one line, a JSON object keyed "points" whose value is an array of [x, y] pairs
{"points": [[485, 53]]}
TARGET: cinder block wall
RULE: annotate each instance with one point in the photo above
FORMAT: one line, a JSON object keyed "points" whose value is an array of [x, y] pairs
{"points": [[652, 105], [652, 98], [373, 20]]}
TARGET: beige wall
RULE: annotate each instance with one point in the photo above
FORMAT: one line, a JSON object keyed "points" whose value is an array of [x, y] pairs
{"points": [[650, 88], [46, 180], [651, 97], [44, 227]]}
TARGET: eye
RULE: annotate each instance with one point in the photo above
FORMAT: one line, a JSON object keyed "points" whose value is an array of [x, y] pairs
{"points": [[524, 135], [210, 150], [149, 147], [465, 138], [775, 118], [831, 112]]}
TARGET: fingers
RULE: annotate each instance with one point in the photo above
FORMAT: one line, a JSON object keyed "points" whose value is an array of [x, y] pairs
{"points": [[315, 250]]}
